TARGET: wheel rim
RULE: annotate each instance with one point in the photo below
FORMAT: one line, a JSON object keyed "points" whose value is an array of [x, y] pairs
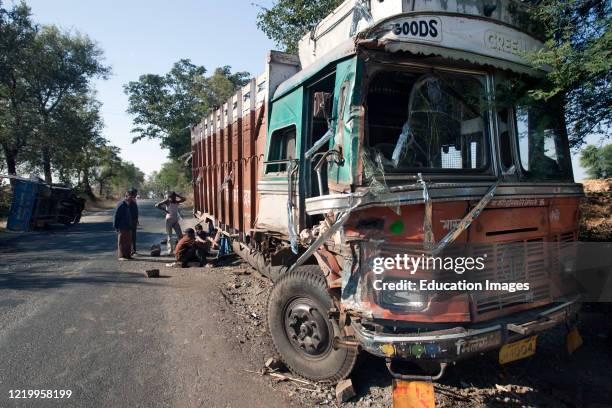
{"points": [[307, 328]]}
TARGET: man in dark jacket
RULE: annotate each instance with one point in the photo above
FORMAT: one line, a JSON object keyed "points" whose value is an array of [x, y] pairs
{"points": [[122, 222], [134, 216]]}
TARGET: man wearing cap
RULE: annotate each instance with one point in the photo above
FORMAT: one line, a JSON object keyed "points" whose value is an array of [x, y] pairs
{"points": [[134, 217], [122, 222]]}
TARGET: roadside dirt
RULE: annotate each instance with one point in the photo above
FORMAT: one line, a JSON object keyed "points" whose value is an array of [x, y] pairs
{"points": [[550, 378], [596, 221]]}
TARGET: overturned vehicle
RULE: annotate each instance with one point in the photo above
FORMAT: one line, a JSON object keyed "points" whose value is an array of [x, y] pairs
{"points": [[36, 204], [398, 134]]}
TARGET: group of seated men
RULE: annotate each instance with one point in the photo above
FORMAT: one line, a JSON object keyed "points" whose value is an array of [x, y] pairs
{"points": [[193, 246]]}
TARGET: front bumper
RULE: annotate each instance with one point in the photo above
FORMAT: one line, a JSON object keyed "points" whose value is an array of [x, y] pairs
{"points": [[459, 342]]}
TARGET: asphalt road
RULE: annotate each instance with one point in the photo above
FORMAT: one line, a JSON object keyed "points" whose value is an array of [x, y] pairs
{"points": [[73, 318]]}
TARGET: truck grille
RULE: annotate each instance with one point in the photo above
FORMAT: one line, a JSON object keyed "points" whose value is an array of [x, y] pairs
{"points": [[529, 261]]}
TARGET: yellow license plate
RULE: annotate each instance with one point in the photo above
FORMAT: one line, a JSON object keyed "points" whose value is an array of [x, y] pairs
{"points": [[518, 350]]}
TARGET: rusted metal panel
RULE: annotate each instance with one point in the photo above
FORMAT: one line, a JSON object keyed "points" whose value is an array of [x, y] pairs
{"points": [[209, 167], [221, 168], [204, 165], [215, 169], [248, 151], [260, 148], [199, 179], [201, 172], [228, 201], [260, 131], [236, 142]]}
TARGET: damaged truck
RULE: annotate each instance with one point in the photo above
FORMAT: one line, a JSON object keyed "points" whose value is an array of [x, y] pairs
{"points": [[400, 128]]}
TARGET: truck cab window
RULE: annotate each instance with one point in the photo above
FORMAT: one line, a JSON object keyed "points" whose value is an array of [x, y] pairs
{"points": [[320, 100], [421, 122], [282, 148], [543, 150]]}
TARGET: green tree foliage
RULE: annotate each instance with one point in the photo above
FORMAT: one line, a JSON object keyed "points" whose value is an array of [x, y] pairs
{"points": [[288, 20], [579, 51], [165, 106], [49, 116], [126, 176], [47, 113], [17, 32], [61, 64], [171, 177], [108, 167], [597, 161]]}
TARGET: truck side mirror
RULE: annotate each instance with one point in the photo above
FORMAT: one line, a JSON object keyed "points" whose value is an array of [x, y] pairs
{"points": [[322, 105]]}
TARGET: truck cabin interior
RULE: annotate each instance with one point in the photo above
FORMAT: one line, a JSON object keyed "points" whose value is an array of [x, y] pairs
{"points": [[439, 122], [427, 121]]}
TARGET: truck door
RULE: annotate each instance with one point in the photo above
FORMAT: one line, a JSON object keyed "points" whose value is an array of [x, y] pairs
{"points": [[319, 98]]}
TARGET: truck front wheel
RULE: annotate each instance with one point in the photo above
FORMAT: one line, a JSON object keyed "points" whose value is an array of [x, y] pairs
{"points": [[301, 330]]}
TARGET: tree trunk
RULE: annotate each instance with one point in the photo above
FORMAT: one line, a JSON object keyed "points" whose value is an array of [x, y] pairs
{"points": [[86, 185], [11, 162], [46, 159]]}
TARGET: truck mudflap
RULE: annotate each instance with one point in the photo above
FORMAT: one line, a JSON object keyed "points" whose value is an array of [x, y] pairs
{"points": [[459, 342]]}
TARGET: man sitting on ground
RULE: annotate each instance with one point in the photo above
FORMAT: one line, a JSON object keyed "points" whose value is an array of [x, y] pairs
{"points": [[203, 237], [189, 250]]}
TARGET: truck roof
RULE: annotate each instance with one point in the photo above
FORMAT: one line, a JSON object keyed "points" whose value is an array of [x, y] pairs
{"points": [[481, 32]]}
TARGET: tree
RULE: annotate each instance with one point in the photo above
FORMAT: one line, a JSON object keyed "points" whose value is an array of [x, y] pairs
{"points": [[597, 161], [171, 177], [287, 21], [579, 51], [76, 126], [17, 118], [165, 106], [39, 68], [60, 64], [49, 116], [126, 176], [107, 169]]}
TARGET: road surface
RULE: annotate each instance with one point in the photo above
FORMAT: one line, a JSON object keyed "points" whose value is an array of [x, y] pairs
{"points": [[73, 318]]}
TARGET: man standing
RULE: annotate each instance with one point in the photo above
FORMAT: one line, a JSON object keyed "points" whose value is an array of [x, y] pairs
{"points": [[134, 217], [122, 222]]}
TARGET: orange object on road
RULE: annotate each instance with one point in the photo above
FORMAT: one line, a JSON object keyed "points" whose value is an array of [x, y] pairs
{"points": [[413, 394]]}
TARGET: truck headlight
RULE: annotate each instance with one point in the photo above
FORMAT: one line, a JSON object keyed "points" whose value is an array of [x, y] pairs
{"points": [[409, 300]]}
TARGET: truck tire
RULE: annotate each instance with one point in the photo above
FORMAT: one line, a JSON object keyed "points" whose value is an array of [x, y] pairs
{"points": [[301, 330]]}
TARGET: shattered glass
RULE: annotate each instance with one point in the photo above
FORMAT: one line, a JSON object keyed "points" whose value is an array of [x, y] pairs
{"points": [[429, 121], [374, 176]]}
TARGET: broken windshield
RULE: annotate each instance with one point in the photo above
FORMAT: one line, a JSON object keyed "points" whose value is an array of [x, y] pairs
{"points": [[427, 121]]}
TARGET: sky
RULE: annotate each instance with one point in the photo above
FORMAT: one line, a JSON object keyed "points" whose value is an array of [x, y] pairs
{"points": [[141, 37], [148, 36]]}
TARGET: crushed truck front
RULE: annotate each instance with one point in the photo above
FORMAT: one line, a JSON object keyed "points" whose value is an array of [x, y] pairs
{"points": [[441, 157]]}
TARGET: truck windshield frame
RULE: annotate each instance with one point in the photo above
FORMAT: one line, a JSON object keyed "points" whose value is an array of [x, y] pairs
{"points": [[420, 119]]}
